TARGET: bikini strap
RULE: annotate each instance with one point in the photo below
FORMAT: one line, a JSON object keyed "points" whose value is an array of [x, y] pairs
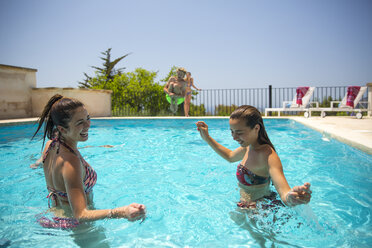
{"points": [[85, 164], [54, 141], [58, 141], [68, 147], [52, 196]]}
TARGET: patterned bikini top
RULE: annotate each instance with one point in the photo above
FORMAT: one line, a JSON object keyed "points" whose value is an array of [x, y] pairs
{"points": [[90, 178], [248, 178]]}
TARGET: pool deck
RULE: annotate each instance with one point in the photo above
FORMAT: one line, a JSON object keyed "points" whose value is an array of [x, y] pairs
{"points": [[349, 130]]}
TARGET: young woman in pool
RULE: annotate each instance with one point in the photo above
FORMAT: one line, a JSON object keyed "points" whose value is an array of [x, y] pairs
{"points": [[259, 162], [69, 178]]}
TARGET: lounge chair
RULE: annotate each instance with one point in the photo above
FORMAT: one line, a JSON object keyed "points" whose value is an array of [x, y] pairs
{"points": [[348, 104], [300, 102]]}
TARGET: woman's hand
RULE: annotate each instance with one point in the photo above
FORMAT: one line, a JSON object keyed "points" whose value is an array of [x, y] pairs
{"points": [[203, 129], [132, 212], [136, 211], [298, 195]]}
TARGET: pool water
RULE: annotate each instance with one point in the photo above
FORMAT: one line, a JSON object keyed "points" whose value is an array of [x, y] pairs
{"points": [[189, 191]]}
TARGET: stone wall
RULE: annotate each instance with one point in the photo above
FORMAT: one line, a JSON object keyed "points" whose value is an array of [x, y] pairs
{"points": [[97, 102], [15, 91], [19, 97]]}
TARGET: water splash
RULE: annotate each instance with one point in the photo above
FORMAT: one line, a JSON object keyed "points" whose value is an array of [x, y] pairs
{"points": [[308, 214]]}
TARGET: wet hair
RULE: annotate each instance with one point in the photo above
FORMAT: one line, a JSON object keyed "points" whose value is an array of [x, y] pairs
{"points": [[57, 112], [252, 117], [181, 69]]}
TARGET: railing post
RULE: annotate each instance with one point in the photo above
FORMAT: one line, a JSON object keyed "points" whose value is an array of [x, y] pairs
{"points": [[270, 97]]}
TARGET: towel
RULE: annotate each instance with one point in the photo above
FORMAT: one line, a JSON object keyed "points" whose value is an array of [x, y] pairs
{"points": [[352, 92], [301, 92]]}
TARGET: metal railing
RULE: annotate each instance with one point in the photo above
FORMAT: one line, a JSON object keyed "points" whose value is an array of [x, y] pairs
{"points": [[217, 102]]}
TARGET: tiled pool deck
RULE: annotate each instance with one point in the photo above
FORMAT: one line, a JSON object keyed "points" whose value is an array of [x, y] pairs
{"points": [[354, 132]]}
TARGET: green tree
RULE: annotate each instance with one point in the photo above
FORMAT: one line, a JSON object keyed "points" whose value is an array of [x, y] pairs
{"points": [[135, 92], [224, 110], [197, 110], [106, 73], [172, 72]]}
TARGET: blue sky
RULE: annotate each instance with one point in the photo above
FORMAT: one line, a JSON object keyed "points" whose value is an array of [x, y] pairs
{"points": [[225, 44]]}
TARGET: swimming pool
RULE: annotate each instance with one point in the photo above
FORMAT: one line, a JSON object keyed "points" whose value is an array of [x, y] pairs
{"points": [[190, 192]]}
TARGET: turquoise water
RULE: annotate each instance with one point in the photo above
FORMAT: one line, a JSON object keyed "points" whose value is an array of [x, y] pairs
{"points": [[190, 192]]}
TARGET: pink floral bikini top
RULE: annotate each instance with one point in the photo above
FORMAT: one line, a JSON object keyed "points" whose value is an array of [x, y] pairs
{"points": [[90, 175]]}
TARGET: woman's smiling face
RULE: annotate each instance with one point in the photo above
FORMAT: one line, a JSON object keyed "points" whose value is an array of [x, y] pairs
{"points": [[243, 134], [78, 126]]}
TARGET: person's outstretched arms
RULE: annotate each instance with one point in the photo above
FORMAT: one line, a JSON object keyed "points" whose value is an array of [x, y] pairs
{"points": [[71, 171], [231, 156], [193, 85], [291, 197]]}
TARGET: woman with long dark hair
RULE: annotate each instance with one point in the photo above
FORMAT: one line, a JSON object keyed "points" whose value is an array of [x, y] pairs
{"points": [[69, 178]]}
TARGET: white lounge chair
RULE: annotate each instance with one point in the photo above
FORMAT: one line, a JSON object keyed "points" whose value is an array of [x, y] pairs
{"points": [[294, 105], [344, 106]]}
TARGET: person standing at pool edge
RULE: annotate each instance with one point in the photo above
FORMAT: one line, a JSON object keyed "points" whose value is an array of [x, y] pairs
{"points": [[190, 83], [68, 176], [259, 161], [176, 88]]}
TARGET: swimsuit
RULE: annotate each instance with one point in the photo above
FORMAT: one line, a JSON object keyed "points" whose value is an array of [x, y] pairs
{"points": [[90, 175], [58, 222], [89, 181], [189, 86], [248, 178], [266, 202]]}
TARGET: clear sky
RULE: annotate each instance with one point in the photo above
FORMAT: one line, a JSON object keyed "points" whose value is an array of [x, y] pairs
{"points": [[224, 43]]}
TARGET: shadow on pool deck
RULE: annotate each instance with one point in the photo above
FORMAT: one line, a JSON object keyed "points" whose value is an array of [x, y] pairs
{"points": [[349, 130]]}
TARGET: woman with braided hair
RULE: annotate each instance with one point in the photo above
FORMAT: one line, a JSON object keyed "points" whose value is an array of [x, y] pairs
{"points": [[69, 178]]}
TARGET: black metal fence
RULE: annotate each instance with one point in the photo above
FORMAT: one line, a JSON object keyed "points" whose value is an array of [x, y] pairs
{"points": [[221, 102]]}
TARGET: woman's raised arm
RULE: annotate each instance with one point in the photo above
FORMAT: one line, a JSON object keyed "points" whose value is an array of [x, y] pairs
{"points": [[231, 156]]}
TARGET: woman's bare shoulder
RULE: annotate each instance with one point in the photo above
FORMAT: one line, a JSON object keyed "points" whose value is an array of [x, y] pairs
{"points": [[267, 150]]}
